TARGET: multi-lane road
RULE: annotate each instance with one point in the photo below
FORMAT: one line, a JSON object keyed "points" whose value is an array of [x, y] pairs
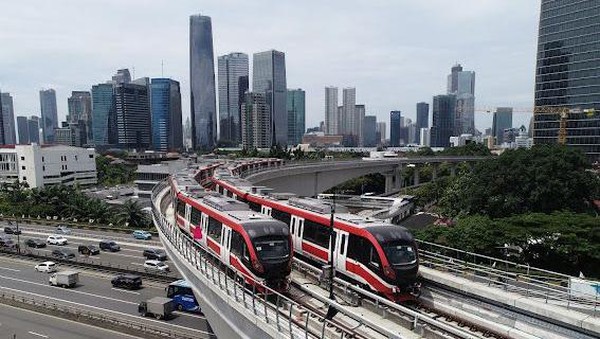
{"points": [[94, 291]]}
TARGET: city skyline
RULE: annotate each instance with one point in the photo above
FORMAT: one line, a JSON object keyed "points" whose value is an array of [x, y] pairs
{"points": [[385, 83]]}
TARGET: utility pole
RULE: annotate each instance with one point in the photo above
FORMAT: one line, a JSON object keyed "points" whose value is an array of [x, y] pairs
{"points": [[331, 311]]}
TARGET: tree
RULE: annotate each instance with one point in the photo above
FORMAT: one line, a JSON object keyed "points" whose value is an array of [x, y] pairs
{"points": [[131, 214]]}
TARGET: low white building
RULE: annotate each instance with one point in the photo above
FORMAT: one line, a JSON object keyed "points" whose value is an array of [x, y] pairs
{"points": [[47, 165]]}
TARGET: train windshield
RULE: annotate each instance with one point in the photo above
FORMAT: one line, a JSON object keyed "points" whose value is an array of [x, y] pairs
{"points": [[272, 248], [399, 254]]}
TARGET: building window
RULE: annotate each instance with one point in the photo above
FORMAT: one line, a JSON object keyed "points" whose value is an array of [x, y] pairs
{"points": [[75, 158], [24, 178], [91, 156], [42, 159], [22, 158], [43, 168], [23, 168]]}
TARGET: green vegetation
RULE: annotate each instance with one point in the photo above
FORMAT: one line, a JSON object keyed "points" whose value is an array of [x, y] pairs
{"points": [[69, 203], [365, 184], [112, 173]]}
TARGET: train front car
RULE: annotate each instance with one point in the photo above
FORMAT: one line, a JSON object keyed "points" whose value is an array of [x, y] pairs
{"points": [[273, 247], [400, 250]]}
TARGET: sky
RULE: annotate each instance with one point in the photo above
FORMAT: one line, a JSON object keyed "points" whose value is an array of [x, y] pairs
{"points": [[394, 52]]}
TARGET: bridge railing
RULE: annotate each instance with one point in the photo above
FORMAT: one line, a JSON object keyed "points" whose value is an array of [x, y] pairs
{"points": [[552, 287], [269, 307]]}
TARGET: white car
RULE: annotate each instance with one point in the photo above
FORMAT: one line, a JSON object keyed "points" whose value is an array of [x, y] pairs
{"points": [[57, 240], [156, 265], [46, 266]]}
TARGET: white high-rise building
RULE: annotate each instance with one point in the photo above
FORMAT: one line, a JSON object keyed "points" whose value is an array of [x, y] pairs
{"points": [[233, 84], [425, 140], [381, 129], [331, 111], [348, 118]]}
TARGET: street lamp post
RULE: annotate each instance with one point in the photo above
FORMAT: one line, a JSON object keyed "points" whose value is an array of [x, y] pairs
{"points": [[331, 311]]}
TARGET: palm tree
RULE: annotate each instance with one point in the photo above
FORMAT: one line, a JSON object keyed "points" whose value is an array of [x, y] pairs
{"points": [[131, 214]]}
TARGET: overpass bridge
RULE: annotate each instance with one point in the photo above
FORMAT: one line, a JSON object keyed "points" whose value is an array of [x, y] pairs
{"points": [[310, 179]]}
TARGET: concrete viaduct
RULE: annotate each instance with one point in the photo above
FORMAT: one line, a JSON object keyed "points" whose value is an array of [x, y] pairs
{"points": [[310, 179]]}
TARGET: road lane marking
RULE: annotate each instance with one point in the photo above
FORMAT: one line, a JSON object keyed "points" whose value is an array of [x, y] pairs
{"points": [[186, 314], [38, 334], [137, 263], [125, 291], [9, 269]]}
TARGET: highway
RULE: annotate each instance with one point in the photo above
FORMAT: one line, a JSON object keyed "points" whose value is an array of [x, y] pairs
{"points": [[94, 292]]}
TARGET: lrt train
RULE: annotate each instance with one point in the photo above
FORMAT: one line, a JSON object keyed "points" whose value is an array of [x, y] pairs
{"points": [[254, 244], [377, 255]]}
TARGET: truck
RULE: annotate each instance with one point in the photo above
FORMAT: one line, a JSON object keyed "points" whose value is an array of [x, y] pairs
{"points": [[64, 279], [159, 307]]}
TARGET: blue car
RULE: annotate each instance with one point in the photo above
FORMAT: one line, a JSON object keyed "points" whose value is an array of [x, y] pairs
{"points": [[144, 235]]}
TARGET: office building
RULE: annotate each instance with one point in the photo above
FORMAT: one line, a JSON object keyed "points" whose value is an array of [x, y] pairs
{"points": [[296, 110], [23, 129], [395, 125], [1, 124], [424, 136], [422, 119], [502, 120], [167, 129], [121, 77], [462, 85], [49, 111], [381, 130], [8, 119], [348, 115], [34, 129], [233, 84], [71, 134], [269, 78], [331, 111], [132, 111], [256, 121], [103, 115], [359, 116], [370, 131], [40, 166], [568, 76], [80, 109], [442, 126], [202, 84]]}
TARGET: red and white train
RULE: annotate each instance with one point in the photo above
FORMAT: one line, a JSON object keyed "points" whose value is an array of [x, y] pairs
{"points": [[252, 243], [377, 255]]}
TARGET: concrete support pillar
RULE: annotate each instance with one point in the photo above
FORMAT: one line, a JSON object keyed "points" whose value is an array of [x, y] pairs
{"points": [[434, 171], [389, 182], [399, 178], [416, 175]]}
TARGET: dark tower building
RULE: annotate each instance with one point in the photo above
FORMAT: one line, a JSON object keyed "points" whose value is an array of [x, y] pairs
{"points": [[422, 120], [167, 128], [133, 116], [49, 114], [23, 130], [567, 82], [269, 78], [395, 126], [233, 83], [442, 125]]}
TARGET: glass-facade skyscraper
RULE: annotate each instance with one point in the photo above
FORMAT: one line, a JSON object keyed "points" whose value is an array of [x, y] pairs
{"points": [[567, 82], [132, 111], [103, 115], [422, 119], [202, 83], [502, 120], [269, 78], [395, 124], [167, 130], [370, 131], [49, 114], [296, 102], [23, 129], [80, 109], [442, 126], [8, 119], [233, 84]]}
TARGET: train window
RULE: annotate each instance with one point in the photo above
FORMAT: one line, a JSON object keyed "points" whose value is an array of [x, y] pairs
{"points": [[343, 244], [180, 207], [316, 233], [237, 242], [229, 194], [220, 189], [293, 226], [356, 249], [214, 229], [196, 214], [281, 216], [254, 206], [374, 261]]}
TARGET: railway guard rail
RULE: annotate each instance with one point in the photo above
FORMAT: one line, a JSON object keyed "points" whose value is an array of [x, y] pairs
{"points": [[277, 315], [529, 281]]}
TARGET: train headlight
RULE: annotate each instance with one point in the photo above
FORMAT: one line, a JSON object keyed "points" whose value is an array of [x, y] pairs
{"points": [[258, 266], [389, 272]]}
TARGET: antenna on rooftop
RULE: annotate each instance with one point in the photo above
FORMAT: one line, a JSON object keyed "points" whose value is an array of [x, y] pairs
{"points": [[162, 68]]}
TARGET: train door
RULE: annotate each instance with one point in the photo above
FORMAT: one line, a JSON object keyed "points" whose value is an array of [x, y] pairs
{"points": [[188, 216], [225, 243], [341, 250], [204, 225], [297, 229], [265, 210]]}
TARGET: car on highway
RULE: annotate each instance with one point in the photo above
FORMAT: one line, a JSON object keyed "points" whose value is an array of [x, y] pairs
{"points": [[139, 234], [155, 254], [57, 240], [155, 265], [109, 245], [7, 243], [36, 243], [63, 253], [128, 281], [88, 249], [62, 229], [11, 230], [46, 266]]}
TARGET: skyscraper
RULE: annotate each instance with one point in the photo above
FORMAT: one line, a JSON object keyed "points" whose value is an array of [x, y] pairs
{"points": [[422, 119], [296, 102], [462, 85], [348, 118], [269, 78], [132, 111], [502, 120], [370, 131], [122, 77], [167, 129], [1, 124], [34, 129], [202, 84], [233, 84], [395, 117], [442, 126], [80, 109], [331, 111], [567, 82], [23, 129], [256, 121], [49, 114], [381, 130], [359, 116], [103, 115], [8, 119]]}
